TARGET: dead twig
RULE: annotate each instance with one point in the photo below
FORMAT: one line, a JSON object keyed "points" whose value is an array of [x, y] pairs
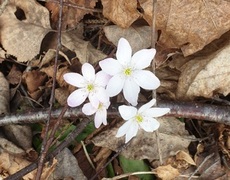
{"points": [[45, 145], [71, 137], [199, 111]]}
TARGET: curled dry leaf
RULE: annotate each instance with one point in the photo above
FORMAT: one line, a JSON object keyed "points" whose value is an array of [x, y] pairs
{"points": [[83, 49], [122, 13], [23, 27], [133, 34], [71, 15], [189, 25], [4, 95], [182, 155], [143, 146], [166, 172], [204, 76]]}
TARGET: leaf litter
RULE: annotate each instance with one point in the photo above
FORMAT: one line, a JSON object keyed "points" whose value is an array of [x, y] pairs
{"points": [[190, 65]]}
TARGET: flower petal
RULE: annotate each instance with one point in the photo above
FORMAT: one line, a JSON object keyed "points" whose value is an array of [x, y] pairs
{"points": [[131, 91], [77, 97], [75, 79], [156, 112], [93, 99], [100, 117], [88, 109], [110, 66], [102, 78], [127, 112], [124, 128], [124, 52], [88, 72], [132, 131], [146, 106], [146, 79], [150, 125], [115, 85], [102, 95], [143, 58]]}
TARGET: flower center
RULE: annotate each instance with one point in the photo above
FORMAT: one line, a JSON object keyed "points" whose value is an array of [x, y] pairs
{"points": [[139, 118], [128, 71], [100, 106], [90, 87]]}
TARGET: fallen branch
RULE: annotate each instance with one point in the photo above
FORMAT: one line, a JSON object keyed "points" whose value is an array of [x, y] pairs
{"points": [[214, 113]]}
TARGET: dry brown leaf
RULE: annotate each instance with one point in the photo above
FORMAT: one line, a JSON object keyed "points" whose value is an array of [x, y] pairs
{"points": [[67, 167], [83, 49], [122, 13], [182, 155], [189, 25], [133, 34], [22, 36], [19, 135], [61, 95], [173, 137], [14, 76], [204, 76], [167, 172], [11, 148], [71, 15], [4, 95]]}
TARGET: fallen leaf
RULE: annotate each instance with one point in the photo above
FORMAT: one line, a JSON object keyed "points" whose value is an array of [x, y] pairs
{"points": [[4, 95], [71, 15], [205, 76], [167, 172], [83, 49], [67, 166], [138, 37], [182, 155], [23, 27], [10, 148], [122, 13], [14, 76], [188, 25], [172, 134]]}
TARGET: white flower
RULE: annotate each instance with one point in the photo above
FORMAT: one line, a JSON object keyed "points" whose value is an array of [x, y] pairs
{"points": [[142, 118], [100, 112], [127, 72], [90, 85]]}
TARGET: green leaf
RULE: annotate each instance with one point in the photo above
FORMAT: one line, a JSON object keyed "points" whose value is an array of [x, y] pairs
{"points": [[88, 130], [129, 165]]}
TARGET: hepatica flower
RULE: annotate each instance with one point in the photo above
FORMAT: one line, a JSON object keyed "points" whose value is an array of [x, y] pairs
{"points": [[143, 118], [100, 112], [89, 85], [128, 72]]}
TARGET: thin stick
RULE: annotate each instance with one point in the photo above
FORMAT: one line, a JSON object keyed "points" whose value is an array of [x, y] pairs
{"points": [[45, 146], [71, 137], [192, 110]]}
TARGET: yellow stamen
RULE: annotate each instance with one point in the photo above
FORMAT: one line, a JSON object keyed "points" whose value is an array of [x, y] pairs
{"points": [[128, 71], [139, 118], [90, 87]]}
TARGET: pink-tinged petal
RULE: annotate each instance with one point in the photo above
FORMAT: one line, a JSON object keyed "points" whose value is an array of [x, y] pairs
{"points": [[131, 91], [127, 112], [88, 109], [100, 117], [124, 52], [155, 112], [75, 79], [88, 72], [115, 85], [146, 79], [132, 132], [77, 97], [143, 58], [102, 78], [93, 99], [150, 125], [102, 95], [124, 128], [146, 106], [110, 66]]}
